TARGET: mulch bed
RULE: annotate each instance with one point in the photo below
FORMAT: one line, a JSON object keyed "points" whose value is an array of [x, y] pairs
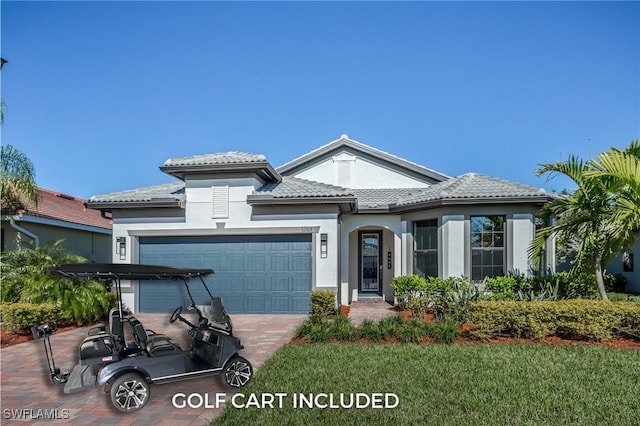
{"points": [[465, 339], [9, 338]]}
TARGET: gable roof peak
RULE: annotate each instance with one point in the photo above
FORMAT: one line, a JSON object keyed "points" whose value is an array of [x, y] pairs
{"points": [[366, 151]]}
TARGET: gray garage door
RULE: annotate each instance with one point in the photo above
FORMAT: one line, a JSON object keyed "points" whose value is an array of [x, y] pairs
{"points": [[253, 274]]}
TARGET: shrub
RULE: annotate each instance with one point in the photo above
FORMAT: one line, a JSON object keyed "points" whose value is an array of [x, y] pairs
{"points": [[413, 331], [574, 319], [419, 306], [20, 317], [343, 329], [454, 304], [445, 331], [26, 278], [370, 330], [406, 287], [503, 288], [389, 326], [316, 328], [615, 283], [323, 303]]}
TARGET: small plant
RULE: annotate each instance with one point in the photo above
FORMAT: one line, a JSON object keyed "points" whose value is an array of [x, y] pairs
{"points": [[389, 326], [323, 303], [20, 317], [315, 329], [419, 306], [615, 283], [406, 287], [454, 304], [370, 330], [343, 329], [412, 331], [445, 331]]}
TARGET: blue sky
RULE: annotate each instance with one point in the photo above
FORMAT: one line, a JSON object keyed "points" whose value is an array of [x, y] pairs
{"points": [[100, 94]]}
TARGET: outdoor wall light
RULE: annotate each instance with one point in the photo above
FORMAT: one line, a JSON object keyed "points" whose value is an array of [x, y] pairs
{"points": [[323, 245], [121, 247]]}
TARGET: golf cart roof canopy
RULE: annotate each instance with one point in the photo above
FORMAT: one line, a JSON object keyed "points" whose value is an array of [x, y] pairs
{"points": [[125, 271]]}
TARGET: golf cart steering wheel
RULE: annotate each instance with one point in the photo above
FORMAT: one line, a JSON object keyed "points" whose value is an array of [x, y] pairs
{"points": [[175, 315]]}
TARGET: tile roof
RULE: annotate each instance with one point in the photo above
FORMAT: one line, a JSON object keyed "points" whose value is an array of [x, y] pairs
{"points": [[292, 187], [55, 205], [231, 157], [472, 186], [469, 186], [174, 190], [372, 198]]}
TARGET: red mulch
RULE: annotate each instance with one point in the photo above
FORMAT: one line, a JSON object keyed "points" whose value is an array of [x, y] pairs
{"points": [[9, 338], [618, 343]]}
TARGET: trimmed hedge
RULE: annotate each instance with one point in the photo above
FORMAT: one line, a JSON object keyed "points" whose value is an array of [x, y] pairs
{"points": [[573, 319], [20, 317], [323, 303]]}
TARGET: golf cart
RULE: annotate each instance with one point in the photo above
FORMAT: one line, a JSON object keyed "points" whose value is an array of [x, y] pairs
{"points": [[125, 357]]}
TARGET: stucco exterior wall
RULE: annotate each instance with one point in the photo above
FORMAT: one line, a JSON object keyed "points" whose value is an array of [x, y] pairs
{"points": [[94, 246], [633, 277], [355, 172], [454, 234]]}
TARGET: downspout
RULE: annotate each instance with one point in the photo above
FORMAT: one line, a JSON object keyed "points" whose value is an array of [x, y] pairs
{"points": [[339, 262], [36, 239]]}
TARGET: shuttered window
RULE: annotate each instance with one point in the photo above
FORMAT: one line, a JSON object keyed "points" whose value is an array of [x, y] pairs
{"points": [[220, 202]]}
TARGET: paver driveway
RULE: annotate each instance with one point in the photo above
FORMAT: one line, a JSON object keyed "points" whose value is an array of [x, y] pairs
{"points": [[24, 383]]}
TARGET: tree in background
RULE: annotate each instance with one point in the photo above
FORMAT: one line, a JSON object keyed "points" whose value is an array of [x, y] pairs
{"points": [[602, 214], [26, 279], [17, 180], [620, 172]]}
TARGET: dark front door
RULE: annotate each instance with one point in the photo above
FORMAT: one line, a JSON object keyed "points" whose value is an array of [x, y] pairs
{"points": [[370, 261]]}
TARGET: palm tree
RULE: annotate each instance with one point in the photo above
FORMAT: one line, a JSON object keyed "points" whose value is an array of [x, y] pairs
{"points": [[620, 172], [17, 180], [584, 215]]}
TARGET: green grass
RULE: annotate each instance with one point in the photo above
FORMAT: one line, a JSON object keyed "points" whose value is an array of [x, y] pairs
{"points": [[521, 384]]}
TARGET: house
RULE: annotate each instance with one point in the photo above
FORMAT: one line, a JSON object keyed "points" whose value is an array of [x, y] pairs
{"points": [[623, 264], [59, 216], [344, 217]]}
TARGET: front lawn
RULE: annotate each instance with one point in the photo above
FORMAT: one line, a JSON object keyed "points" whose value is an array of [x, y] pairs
{"points": [[450, 384]]}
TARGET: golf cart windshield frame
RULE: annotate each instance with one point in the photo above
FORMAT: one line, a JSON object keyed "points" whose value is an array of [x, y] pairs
{"points": [[116, 272], [125, 271]]}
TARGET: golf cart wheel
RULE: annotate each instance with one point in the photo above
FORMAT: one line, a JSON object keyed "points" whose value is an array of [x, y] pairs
{"points": [[130, 392], [237, 372]]}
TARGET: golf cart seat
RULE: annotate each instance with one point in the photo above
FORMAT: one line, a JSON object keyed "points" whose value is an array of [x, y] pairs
{"points": [[154, 344], [99, 343], [217, 315]]}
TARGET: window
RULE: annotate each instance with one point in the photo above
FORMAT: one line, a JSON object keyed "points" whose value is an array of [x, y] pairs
{"points": [[220, 202], [487, 246], [425, 248], [627, 261]]}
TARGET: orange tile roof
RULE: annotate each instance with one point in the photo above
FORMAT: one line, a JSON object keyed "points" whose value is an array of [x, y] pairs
{"points": [[56, 205]]}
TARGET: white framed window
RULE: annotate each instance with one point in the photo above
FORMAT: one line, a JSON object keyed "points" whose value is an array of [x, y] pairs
{"points": [[221, 202], [487, 247]]}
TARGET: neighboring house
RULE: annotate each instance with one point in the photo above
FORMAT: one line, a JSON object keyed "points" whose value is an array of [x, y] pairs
{"points": [[59, 217], [345, 217], [626, 263]]}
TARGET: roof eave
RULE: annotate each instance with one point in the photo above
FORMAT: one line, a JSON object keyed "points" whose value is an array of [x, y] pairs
{"points": [[114, 205], [346, 204], [263, 169], [535, 200], [376, 209]]}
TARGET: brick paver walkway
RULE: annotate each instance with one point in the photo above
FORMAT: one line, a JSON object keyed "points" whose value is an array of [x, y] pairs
{"points": [[25, 384]]}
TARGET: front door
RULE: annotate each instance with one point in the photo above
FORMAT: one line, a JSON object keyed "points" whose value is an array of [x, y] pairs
{"points": [[370, 274]]}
